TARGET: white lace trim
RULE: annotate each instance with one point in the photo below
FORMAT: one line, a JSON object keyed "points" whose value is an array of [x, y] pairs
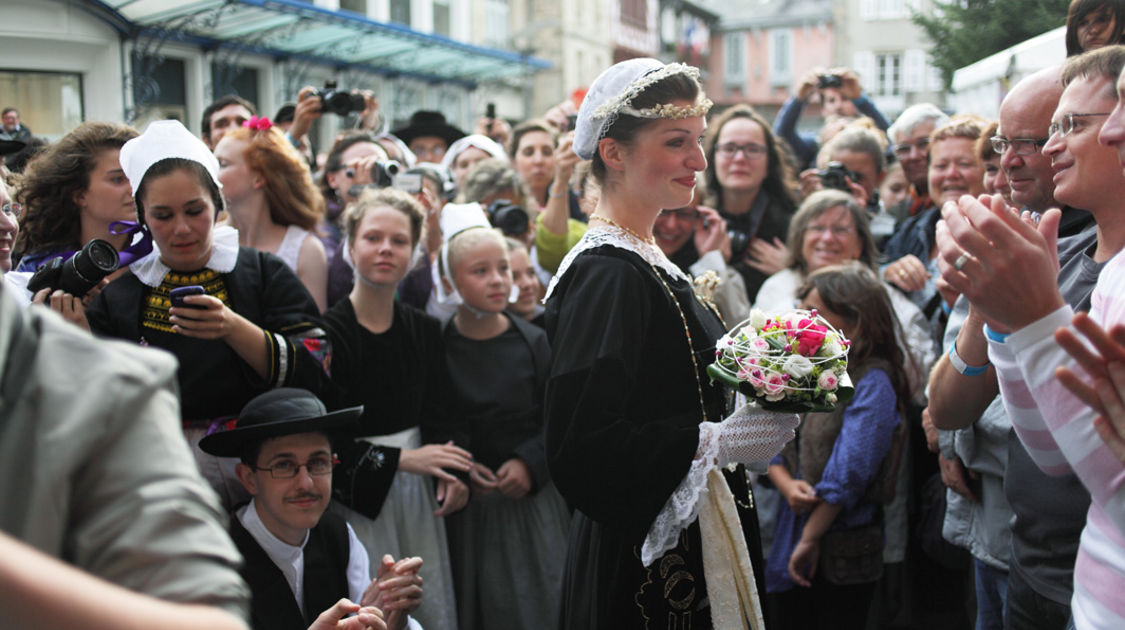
{"points": [[682, 508], [599, 235], [150, 270], [750, 434]]}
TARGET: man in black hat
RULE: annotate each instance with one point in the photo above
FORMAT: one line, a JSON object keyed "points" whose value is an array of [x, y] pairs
{"points": [[428, 135], [300, 559]]}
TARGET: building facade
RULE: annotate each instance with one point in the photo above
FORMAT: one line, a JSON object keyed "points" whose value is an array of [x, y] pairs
{"points": [[66, 61]]}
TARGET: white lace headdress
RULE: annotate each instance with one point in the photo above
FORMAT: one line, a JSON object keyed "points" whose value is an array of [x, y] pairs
{"points": [[612, 93]]}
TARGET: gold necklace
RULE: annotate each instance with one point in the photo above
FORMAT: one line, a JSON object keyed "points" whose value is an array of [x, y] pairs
{"points": [[679, 309], [691, 346], [601, 217]]}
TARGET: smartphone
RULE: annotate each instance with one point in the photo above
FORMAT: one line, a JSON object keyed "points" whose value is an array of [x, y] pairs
{"points": [[178, 294], [490, 110], [571, 122]]}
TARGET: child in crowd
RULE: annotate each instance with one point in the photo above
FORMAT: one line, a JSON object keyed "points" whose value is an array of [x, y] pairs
{"points": [[528, 304], [391, 361], [827, 553], [509, 545]]}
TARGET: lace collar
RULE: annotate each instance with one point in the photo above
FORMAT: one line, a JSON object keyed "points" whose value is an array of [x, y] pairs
{"points": [[599, 235], [150, 270]]}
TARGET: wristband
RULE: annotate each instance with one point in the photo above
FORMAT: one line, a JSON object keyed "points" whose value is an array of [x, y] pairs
{"points": [[995, 336], [964, 368], [552, 195]]}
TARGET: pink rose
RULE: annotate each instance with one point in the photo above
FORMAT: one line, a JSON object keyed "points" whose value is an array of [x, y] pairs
{"points": [[775, 384], [827, 381], [811, 338]]}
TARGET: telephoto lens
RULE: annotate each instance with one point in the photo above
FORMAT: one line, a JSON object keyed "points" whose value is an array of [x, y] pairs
{"points": [[96, 260]]}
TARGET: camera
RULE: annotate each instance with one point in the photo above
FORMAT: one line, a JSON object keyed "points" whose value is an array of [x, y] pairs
{"points": [[408, 182], [836, 176], [512, 220], [79, 273], [829, 81], [739, 242], [382, 176], [337, 101]]}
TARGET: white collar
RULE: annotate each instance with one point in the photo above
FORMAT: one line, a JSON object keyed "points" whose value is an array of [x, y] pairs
{"points": [[281, 552], [150, 270], [599, 235]]}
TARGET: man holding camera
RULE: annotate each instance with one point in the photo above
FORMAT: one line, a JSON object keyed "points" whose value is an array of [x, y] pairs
{"points": [[840, 94]]}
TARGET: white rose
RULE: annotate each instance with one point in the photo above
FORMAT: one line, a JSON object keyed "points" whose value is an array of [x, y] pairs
{"points": [[797, 366], [831, 347], [757, 318]]}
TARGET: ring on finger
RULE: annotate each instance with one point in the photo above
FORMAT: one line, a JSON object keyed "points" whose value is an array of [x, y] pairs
{"points": [[960, 262]]}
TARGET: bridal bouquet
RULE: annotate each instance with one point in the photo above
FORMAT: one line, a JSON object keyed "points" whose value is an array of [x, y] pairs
{"points": [[796, 362]]}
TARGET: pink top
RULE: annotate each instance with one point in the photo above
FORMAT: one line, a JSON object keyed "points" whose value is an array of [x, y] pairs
{"points": [[1058, 432]]}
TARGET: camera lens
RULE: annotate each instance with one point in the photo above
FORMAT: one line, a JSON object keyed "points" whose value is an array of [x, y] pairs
{"points": [[85, 269]]}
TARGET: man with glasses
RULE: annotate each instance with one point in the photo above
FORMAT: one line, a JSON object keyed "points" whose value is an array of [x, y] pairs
{"points": [[1007, 270], [300, 559], [975, 457], [910, 134]]}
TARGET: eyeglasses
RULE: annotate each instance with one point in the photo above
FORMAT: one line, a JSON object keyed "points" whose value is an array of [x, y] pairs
{"points": [[1020, 146], [681, 214], [836, 230], [903, 150], [287, 469], [752, 150], [435, 151], [13, 209], [1067, 125]]}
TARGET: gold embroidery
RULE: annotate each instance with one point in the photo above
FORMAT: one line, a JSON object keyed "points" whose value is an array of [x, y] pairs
{"points": [[155, 314]]}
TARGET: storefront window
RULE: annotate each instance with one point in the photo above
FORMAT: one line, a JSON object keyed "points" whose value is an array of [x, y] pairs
{"points": [[49, 103]]}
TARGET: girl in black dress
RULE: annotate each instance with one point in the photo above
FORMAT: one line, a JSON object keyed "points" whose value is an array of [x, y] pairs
{"points": [[633, 423], [510, 542], [253, 326], [392, 361]]}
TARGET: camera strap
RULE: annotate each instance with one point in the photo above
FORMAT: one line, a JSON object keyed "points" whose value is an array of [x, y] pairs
{"points": [[752, 220]]}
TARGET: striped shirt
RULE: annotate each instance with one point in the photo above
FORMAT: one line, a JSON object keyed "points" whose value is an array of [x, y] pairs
{"points": [[1058, 432]]}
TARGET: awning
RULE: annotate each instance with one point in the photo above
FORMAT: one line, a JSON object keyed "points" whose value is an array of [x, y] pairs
{"points": [[291, 29]]}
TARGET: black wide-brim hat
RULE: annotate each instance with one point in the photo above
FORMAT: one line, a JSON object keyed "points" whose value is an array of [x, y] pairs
{"points": [[279, 412], [428, 123]]}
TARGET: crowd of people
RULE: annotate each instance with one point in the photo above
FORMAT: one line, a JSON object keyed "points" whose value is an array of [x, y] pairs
{"points": [[430, 379]]}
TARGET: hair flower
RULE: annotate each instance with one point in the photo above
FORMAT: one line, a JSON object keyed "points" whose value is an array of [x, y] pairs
{"points": [[259, 123]]}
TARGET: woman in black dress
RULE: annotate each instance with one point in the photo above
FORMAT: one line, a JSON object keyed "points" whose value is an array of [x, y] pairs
{"points": [[253, 327], [633, 431]]}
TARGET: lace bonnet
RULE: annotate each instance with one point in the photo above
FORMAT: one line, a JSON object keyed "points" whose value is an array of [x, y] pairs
{"points": [[612, 94]]}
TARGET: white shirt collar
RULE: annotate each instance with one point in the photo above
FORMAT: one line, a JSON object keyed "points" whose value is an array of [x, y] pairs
{"points": [[290, 559], [150, 270]]}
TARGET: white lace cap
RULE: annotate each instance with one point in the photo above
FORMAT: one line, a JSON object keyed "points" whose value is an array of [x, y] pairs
{"points": [[484, 143], [164, 139], [614, 90]]}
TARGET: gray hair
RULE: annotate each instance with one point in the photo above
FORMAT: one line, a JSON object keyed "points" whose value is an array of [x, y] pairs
{"points": [[913, 116], [489, 177]]}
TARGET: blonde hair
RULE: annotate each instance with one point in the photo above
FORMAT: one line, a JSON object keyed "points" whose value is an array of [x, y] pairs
{"points": [[384, 197], [465, 240]]}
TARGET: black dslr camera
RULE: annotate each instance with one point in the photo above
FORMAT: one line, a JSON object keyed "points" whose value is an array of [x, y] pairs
{"points": [[512, 220], [79, 273], [836, 176], [829, 81], [339, 102]]}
